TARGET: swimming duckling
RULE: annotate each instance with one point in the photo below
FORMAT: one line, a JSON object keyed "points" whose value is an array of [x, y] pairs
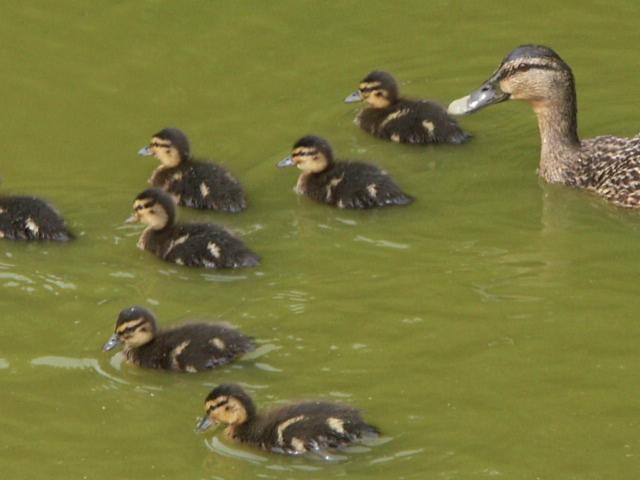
{"points": [[391, 117], [294, 429], [29, 218], [341, 184], [192, 183], [192, 244], [606, 165], [187, 348]]}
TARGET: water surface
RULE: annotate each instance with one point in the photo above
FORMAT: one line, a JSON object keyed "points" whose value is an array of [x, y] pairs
{"points": [[489, 330]]}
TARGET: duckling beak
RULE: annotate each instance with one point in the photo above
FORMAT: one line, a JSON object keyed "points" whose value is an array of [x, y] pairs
{"points": [[113, 342], [205, 423], [354, 97], [488, 94], [132, 219], [145, 152], [286, 162]]}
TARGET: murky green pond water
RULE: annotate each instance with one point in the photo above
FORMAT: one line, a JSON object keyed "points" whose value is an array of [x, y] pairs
{"points": [[490, 329]]}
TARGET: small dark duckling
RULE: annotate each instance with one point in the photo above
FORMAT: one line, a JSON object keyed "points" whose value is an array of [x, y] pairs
{"points": [[186, 348], [341, 184], [192, 183], [29, 218], [391, 117], [298, 428], [191, 244]]}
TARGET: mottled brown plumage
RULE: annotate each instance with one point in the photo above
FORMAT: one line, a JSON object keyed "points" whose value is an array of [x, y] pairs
{"points": [[606, 165], [312, 426]]}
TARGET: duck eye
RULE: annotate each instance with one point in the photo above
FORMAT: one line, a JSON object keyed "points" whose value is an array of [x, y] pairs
{"points": [[379, 93], [152, 211], [227, 408]]}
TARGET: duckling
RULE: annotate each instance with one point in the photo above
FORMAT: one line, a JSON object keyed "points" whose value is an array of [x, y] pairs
{"points": [[30, 218], [606, 165], [188, 348], [194, 244], [341, 184], [192, 183], [294, 429], [391, 117]]}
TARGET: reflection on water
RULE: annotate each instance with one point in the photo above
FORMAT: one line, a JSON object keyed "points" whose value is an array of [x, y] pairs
{"points": [[74, 363]]}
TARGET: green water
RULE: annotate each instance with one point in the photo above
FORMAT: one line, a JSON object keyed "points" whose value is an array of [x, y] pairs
{"points": [[490, 329]]}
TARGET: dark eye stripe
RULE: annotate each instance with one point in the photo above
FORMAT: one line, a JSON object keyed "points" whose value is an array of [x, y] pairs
{"points": [[306, 154], [217, 405], [161, 145]]}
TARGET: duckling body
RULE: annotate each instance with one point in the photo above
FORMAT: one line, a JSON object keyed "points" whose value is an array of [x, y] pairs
{"points": [[29, 218], [306, 427], [401, 120], [193, 347], [193, 183], [194, 245], [341, 183], [606, 165]]}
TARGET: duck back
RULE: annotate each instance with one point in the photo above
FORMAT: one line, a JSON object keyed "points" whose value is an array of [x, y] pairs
{"points": [[307, 426], [199, 245], [204, 185], [29, 218], [414, 122], [354, 185], [191, 348]]}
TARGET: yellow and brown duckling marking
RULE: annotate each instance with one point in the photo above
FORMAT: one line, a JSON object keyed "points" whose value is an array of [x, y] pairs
{"points": [[391, 117], [341, 184], [30, 218], [194, 245], [306, 427], [192, 183], [193, 347], [606, 165]]}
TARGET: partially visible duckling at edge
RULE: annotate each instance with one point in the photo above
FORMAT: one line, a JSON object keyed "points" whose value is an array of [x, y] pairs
{"points": [[191, 244], [391, 117], [29, 218], [186, 348], [192, 183], [312, 426], [341, 184]]}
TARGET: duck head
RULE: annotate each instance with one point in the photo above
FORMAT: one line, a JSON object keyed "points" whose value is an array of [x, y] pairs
{"points": [[154, 208], [311, 154], [135, 326], [170, 146], [533, 73], [228, 404], [378, 89]]}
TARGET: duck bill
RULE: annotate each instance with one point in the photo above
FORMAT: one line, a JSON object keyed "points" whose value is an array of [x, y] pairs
{"points": [[488, 94], [132, 219], [205, 424], [286, 162], [113, 342], [353, 98], [145, 152]]}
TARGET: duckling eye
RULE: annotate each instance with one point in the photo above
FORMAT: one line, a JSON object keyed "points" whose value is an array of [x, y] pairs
{"points": [[152, 211], [378, 93], [227, 408]]}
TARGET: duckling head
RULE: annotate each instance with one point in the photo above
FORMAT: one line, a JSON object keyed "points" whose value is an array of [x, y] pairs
{"points": [[378, 89], [135, 327], [228, 404], [169, 145], [310, 154], [533, 73], [154, 208]]}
